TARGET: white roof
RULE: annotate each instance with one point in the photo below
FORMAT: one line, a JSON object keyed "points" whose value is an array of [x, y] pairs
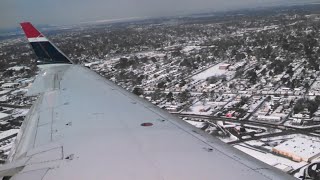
{"points": [[283, 167], [3, 115], [9, 84], [3, 98], [304, 147], [23, 91], [269, 117], [10, 132], [4, 92], [18, 68], [224, 64], [197, 124]]}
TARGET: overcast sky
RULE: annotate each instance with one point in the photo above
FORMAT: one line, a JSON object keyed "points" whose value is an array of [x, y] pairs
{"points": [[63, 12]]}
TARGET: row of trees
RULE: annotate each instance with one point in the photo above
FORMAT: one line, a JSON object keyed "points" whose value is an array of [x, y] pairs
{"points": [[311, 105]]}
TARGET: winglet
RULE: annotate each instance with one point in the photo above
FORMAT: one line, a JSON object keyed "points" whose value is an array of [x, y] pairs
{"points": [[46, 52], [30, 31]]}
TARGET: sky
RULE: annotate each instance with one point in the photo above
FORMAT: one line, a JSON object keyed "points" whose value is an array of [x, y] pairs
{"points": [[66, 12]]}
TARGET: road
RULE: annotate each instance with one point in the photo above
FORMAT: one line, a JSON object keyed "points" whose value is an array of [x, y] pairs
{"points": [[211, 118], [285, 130]]}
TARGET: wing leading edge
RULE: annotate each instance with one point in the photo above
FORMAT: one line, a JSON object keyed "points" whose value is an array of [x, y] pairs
{"points": [[85, 127]]}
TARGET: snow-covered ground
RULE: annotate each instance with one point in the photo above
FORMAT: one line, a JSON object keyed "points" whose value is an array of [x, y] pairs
{"points": [[197, 124], [228, 139], [2, 92], [18, 68], [213, 71], [255, 104], [20, 112], [289, 124], [200, 108], [269, 158], [190, 48], [3, 98], [265, 133], [7, 133], [150, 54]]}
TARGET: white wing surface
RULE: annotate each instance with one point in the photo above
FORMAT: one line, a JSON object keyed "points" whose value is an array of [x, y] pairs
{"points": [[85, 127]]}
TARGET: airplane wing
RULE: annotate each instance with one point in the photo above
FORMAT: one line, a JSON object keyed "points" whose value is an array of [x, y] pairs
{"points": [[83, 126]]}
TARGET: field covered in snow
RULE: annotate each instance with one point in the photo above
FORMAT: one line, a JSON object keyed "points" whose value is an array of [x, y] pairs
{"points": [[269, 158], [213, 71]]}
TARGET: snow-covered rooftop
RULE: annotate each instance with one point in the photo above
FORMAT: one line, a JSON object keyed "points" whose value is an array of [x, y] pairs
{"points": [[20, 112], [4, 92], [9, 85], [190, 48], [7, 133], [3, 98], [197, 124], [18, 68], [303, 147], [3, 115]]}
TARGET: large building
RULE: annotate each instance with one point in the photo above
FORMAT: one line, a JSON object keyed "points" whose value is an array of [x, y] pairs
{"points": [[299, 149], [8, 134], [269, 118], [10, 85], [224, 66]]}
